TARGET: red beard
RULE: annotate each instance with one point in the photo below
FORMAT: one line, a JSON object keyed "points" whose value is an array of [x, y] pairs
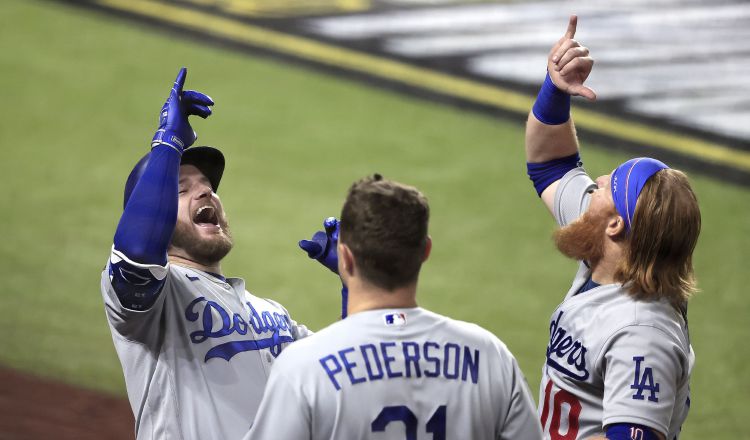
{"points": [[583, 240]]}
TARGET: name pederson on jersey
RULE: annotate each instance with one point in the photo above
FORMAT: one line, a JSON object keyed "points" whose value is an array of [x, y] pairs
{"points": [[397, 374], [197, 361], [611, 359]]}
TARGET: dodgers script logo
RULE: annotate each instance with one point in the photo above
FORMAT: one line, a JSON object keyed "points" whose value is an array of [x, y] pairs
{"points": [[564, 354], [206, 311]]}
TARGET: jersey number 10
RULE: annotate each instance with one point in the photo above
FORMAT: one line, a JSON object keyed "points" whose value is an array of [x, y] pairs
{"points": [[401, 413], [574, 410]]}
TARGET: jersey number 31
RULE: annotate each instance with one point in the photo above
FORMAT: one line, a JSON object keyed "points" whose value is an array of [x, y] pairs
{"points": [[401, 413]]}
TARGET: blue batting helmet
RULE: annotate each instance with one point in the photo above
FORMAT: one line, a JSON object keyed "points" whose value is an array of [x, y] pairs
{"points": [[209, 160]]}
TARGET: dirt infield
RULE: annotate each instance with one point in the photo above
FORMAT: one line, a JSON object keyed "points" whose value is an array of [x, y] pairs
{"points": [[33, 408]]}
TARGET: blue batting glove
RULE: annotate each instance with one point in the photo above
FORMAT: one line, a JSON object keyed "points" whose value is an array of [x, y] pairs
{"points": [[174, 127], [322, 245]]}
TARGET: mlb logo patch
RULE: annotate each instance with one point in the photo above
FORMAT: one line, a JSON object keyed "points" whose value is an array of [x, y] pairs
{"points": [[398, 319]]}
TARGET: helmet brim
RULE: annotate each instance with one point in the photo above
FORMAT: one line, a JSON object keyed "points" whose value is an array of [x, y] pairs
{"points": [[209, 160]]}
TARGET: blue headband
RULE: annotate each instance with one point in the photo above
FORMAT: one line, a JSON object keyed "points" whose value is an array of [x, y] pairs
{"points": [[627, 182]]}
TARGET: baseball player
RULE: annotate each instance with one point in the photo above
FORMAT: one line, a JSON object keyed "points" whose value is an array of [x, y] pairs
{"points": [[392, 370], [619, 358], [196, 348]]}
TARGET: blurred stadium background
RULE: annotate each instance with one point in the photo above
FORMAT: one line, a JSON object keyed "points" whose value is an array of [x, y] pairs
{"points": [[312, 95]]}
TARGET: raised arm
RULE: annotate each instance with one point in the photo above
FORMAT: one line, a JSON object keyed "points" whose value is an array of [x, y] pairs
{"points": [[551, 142], [139, 255]]}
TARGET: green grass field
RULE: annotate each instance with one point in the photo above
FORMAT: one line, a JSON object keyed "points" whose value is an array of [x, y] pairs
{"points": [[81, 95]]}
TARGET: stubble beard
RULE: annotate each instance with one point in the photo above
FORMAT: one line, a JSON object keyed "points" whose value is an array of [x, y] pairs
{"points": [[583, 240], [205, 250]]}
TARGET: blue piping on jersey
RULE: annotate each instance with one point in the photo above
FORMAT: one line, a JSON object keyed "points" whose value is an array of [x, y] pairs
{"points": [[216, 275], [588, 285]]}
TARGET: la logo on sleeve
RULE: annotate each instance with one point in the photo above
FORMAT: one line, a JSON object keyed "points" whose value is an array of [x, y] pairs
{"points": [[644, 381]]}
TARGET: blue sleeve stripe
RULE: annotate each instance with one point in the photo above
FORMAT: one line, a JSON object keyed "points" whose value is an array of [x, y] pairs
{"points": [[545, 173]]}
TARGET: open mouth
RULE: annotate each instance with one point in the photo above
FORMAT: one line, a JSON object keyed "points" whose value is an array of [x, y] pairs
{"points": [[206, 216]]}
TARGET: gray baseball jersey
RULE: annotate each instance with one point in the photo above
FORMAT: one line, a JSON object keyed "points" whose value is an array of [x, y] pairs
{"points": [[397, 374], [197, 361], [611, 359]]}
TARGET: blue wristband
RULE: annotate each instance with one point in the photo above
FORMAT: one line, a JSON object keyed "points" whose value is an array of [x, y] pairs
{"points": [[552, 106]]}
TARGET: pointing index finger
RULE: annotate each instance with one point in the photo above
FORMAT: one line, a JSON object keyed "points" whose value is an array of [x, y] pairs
{"points": [[180, 81], [571, 32]]}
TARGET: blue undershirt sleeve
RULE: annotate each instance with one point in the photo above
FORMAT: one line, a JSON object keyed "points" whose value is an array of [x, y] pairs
{"points": [[545, 173], [630, 431], [139, 256], [149, 218]]}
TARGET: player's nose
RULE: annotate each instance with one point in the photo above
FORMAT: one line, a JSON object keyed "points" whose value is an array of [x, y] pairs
{"points": [[203, 191]]}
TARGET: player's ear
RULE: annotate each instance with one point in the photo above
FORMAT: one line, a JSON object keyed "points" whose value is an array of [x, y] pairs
{"points": [[427, 249], [346, 260], [615, 226]]}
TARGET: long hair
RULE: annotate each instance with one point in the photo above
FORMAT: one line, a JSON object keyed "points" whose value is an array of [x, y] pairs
{"points": [[658, 258]]}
